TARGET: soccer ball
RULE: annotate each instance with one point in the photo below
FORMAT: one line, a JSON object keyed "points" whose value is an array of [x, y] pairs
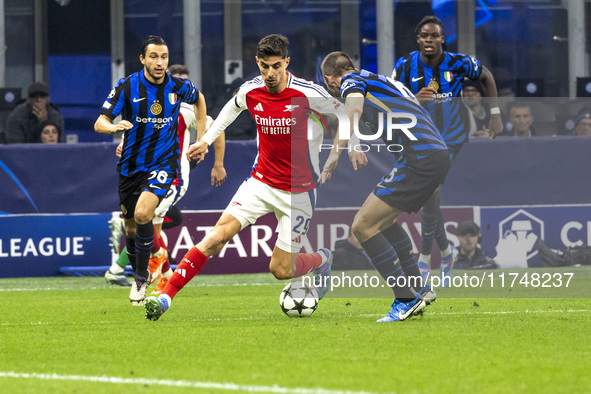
{"points": [[298, 299]]}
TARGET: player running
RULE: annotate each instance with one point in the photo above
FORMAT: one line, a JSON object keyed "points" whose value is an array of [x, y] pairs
{"points": [[148, 102], [277, 183], [435, 77], [418, 171]]}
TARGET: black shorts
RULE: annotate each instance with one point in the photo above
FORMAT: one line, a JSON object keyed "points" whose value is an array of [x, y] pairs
{"points": [[408, 187], [131, 187], [453, 151]]}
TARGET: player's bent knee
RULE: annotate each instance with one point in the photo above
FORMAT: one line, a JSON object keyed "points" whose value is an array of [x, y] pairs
{"points": [[359, 230], [143, 216]]}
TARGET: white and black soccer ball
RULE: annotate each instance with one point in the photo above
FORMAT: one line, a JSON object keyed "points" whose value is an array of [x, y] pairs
{"points": [[298, 299]]}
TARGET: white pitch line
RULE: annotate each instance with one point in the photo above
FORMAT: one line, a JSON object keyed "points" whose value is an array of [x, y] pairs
{"points": [[253, 318], [180, 383], [493, 312]]}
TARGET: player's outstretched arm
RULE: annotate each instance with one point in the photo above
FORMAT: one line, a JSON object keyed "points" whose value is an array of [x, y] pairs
{"points": [[354, 109], [103, 125], [496, 123], [218, 172], [357, 158]]}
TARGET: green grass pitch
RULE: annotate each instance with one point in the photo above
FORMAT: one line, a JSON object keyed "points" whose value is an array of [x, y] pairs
{"points": [[227, 334]]}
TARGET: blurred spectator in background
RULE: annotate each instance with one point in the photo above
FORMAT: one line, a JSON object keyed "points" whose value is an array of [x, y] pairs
{"points": [[478, 108], [520, 121], [49, 133], [470, 256], [23, 124], [244, 127], [583, 122]]}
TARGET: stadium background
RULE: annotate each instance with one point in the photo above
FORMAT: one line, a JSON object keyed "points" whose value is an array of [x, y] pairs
{"points": [[81, 50]]}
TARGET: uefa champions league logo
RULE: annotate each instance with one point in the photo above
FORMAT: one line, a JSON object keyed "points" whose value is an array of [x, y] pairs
{"points": [[518, 236]]}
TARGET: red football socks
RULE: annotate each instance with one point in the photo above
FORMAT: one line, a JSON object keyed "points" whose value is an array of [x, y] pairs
{"points": [[306, 262], [156, 243], [190, 266]]}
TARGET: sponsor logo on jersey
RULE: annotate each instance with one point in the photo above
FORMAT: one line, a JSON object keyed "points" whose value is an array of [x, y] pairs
{"points": [[270, 121], [443, 95], [159, 123], [417, 79], [137, 99], [259, 107]]}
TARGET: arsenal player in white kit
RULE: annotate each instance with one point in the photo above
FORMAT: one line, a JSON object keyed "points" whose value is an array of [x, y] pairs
{"points": [[283, 176]]}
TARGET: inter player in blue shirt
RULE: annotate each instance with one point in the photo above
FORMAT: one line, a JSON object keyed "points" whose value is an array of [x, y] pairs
{"points": [[149, 103], [436, 77], [418, 170]]}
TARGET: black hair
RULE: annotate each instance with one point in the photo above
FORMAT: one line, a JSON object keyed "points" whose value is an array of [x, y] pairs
{"points": [[520, 104], [475, 84], [335, 63], [273, 45], [178, 69], [152, 40], [428, 19], [46, 123]]}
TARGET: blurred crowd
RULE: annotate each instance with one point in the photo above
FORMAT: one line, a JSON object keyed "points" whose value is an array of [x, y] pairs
{"points": [[35, 119]]}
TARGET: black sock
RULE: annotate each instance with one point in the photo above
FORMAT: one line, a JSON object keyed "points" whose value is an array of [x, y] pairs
{"points": [[428, 229], [130, 243], [440, 235], [400, 240], [144, 238], [384, 259]]}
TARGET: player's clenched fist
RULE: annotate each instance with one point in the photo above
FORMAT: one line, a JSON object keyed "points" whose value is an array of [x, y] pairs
{"points": [[197, 151]]}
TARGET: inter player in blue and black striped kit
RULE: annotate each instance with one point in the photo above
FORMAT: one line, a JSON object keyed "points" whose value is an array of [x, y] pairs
{"points": [[418, 170], [436, 77], [149, 103]]}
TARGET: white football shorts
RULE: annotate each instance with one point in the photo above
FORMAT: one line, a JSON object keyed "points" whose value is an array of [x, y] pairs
{"points": [[174, 194], [293, 211]]}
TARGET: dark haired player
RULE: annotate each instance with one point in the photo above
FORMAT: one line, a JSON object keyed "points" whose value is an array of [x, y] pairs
{"points": [[279, 182], [435, 77], [418, 171], [148, 102]]}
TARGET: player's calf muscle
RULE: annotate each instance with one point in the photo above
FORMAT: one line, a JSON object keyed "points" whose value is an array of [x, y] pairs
{"points": [[214, 242], [279, 269]]}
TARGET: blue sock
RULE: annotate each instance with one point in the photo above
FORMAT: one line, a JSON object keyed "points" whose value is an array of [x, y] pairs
{"points": [[384, 259]]}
